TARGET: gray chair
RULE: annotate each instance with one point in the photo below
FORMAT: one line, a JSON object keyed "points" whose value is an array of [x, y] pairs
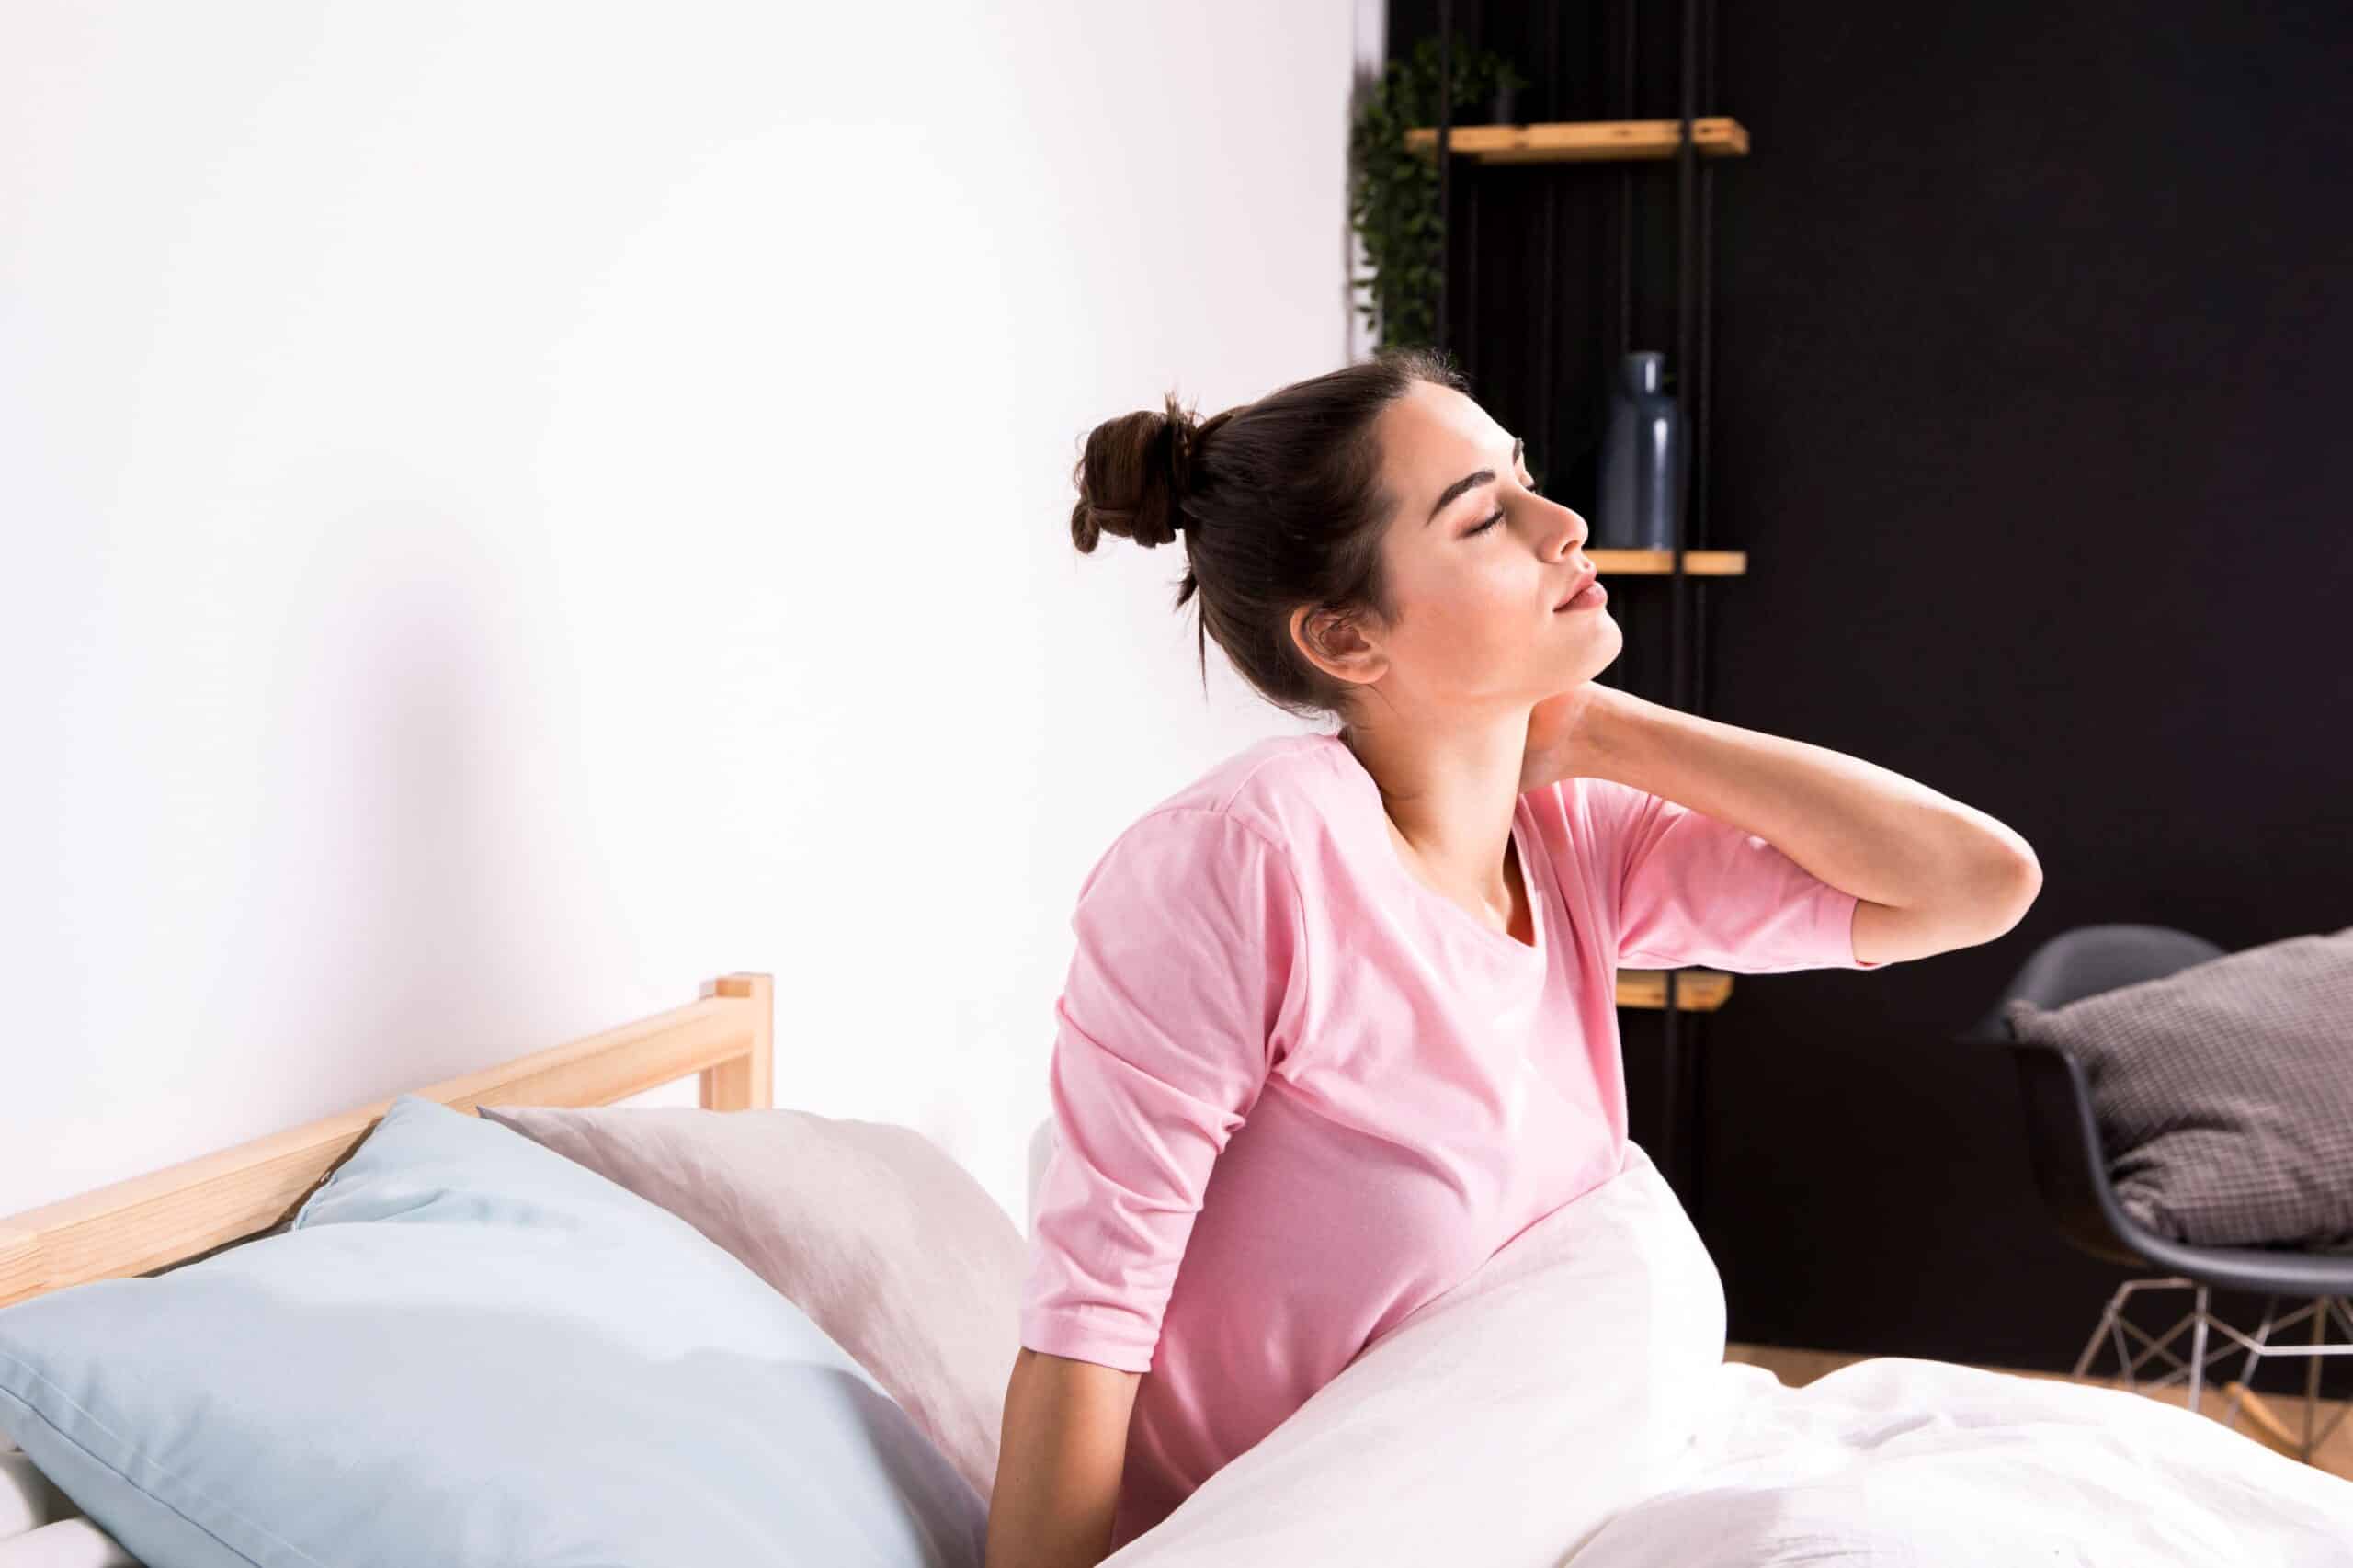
{"points": [[2063, 1142]]}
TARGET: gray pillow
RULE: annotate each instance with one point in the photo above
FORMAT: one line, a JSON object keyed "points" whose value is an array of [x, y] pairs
{"points": [[2224, 1092]]}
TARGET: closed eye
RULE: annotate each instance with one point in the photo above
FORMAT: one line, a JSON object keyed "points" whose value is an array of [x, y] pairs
{"points": [[1498, 518]]}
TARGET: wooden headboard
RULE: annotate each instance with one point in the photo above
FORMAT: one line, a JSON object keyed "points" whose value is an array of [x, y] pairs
{"points": [[198, 1205]]}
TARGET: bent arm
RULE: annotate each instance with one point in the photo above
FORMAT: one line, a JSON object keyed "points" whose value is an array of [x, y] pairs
{"points": [[1933, 873]]}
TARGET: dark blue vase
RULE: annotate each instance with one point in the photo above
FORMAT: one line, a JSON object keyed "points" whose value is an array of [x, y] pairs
{"points": [[1642, 461]]}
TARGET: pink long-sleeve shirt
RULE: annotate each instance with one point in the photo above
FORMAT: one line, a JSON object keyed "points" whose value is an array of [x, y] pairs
{"points": [[1327, 1092]]}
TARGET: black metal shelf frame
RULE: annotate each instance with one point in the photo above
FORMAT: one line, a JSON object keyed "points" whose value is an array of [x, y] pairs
{"points": [[1687, 625]]}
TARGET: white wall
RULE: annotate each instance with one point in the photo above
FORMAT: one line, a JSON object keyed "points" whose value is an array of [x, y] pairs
{"points": [[511, 511]]}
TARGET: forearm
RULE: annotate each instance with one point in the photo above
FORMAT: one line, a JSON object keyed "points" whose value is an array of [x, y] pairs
{"points": [[1862, 828], [1060, 1455]]}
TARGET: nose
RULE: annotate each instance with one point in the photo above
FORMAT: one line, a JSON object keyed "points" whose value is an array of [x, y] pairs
{"points": [[1580, 531]]}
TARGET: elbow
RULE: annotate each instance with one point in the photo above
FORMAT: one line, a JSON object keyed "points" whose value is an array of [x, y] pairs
{"points": [[1977, 903], [2003, 888]]}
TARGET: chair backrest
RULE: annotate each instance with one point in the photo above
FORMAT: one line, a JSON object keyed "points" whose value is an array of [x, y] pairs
{"points": [[2062, 1134], [2090, 960]]}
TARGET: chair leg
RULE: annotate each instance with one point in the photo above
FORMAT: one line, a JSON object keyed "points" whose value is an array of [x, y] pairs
{"points": [[2114, 1323], [2312, 1377], [2320, 1309], [2246, 1370], [2197, 1352], [2343, 1310], [2091, 1346], [2200, 1321]]}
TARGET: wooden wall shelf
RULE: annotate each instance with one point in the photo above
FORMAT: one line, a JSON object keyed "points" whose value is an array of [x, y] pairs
{"points": [[1695, 990], [1660, 563], [1584, 140]]}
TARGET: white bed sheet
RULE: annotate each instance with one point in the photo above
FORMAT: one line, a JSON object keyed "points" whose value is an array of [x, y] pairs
{"points": [[1569, 1407]]}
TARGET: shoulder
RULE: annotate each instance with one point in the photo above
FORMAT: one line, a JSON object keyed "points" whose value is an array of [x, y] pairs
{"points": [[1590, 826], [1201, 902], [1270, 787], [1262, 803]]}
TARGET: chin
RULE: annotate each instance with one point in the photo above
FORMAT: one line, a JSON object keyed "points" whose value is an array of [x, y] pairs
{"points": [[1603, 651]]}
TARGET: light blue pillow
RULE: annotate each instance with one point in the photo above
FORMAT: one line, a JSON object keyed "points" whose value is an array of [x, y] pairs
{"points": [[469, 1350]]}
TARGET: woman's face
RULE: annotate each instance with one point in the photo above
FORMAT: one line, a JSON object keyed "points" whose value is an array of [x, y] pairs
{"points": [[1476, 585]]}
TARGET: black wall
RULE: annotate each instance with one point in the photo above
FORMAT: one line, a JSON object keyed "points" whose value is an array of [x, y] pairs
{"points": [[2028, 381]]}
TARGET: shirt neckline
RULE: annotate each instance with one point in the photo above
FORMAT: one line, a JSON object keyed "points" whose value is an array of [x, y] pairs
{"points": [[1530, 878]]}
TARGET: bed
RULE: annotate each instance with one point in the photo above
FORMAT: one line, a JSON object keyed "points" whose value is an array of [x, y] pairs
{"points": [[367, 1340], [183, 1211]]}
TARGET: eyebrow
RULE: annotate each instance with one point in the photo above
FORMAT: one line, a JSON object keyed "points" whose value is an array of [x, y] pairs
{"points": [[1470, 481]]}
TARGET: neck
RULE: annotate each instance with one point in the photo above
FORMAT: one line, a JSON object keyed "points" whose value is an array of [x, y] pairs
{"points": [[1449, 793]]}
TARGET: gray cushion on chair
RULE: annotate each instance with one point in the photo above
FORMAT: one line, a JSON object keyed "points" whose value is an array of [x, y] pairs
{"points": [[2224, 1092]]}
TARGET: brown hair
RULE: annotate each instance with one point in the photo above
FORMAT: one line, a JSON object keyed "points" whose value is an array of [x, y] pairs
{"points": [[1281, 504]]}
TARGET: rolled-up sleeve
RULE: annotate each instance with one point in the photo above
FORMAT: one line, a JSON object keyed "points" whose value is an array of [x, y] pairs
{"points": [[1693, 889], [1189, 931]]}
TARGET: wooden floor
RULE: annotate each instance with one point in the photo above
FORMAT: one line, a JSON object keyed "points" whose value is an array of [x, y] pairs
{"points": [[2270, 1417]]}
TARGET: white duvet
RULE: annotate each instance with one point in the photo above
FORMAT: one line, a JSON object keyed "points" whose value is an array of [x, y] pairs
{"points": [[1569, 1405]]}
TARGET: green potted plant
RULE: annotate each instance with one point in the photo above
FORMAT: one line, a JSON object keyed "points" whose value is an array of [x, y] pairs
{"points": [[1392, 192]]}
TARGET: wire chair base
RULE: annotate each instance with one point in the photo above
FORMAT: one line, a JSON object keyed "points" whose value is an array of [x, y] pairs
{"points": [[2321, 1310]]}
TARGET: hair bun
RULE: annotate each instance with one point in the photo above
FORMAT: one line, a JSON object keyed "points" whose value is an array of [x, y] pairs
{"points": [[1181, 431], [1133, 476]]}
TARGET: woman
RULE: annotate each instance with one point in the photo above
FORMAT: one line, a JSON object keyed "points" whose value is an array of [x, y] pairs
{"points": [[1341, 1019]]}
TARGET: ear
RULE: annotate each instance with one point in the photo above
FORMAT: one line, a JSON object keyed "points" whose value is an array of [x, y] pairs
{"points": [[1338, 645]]}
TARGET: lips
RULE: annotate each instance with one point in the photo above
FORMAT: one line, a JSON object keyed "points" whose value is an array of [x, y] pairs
{"points": [[1581, 585]]}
